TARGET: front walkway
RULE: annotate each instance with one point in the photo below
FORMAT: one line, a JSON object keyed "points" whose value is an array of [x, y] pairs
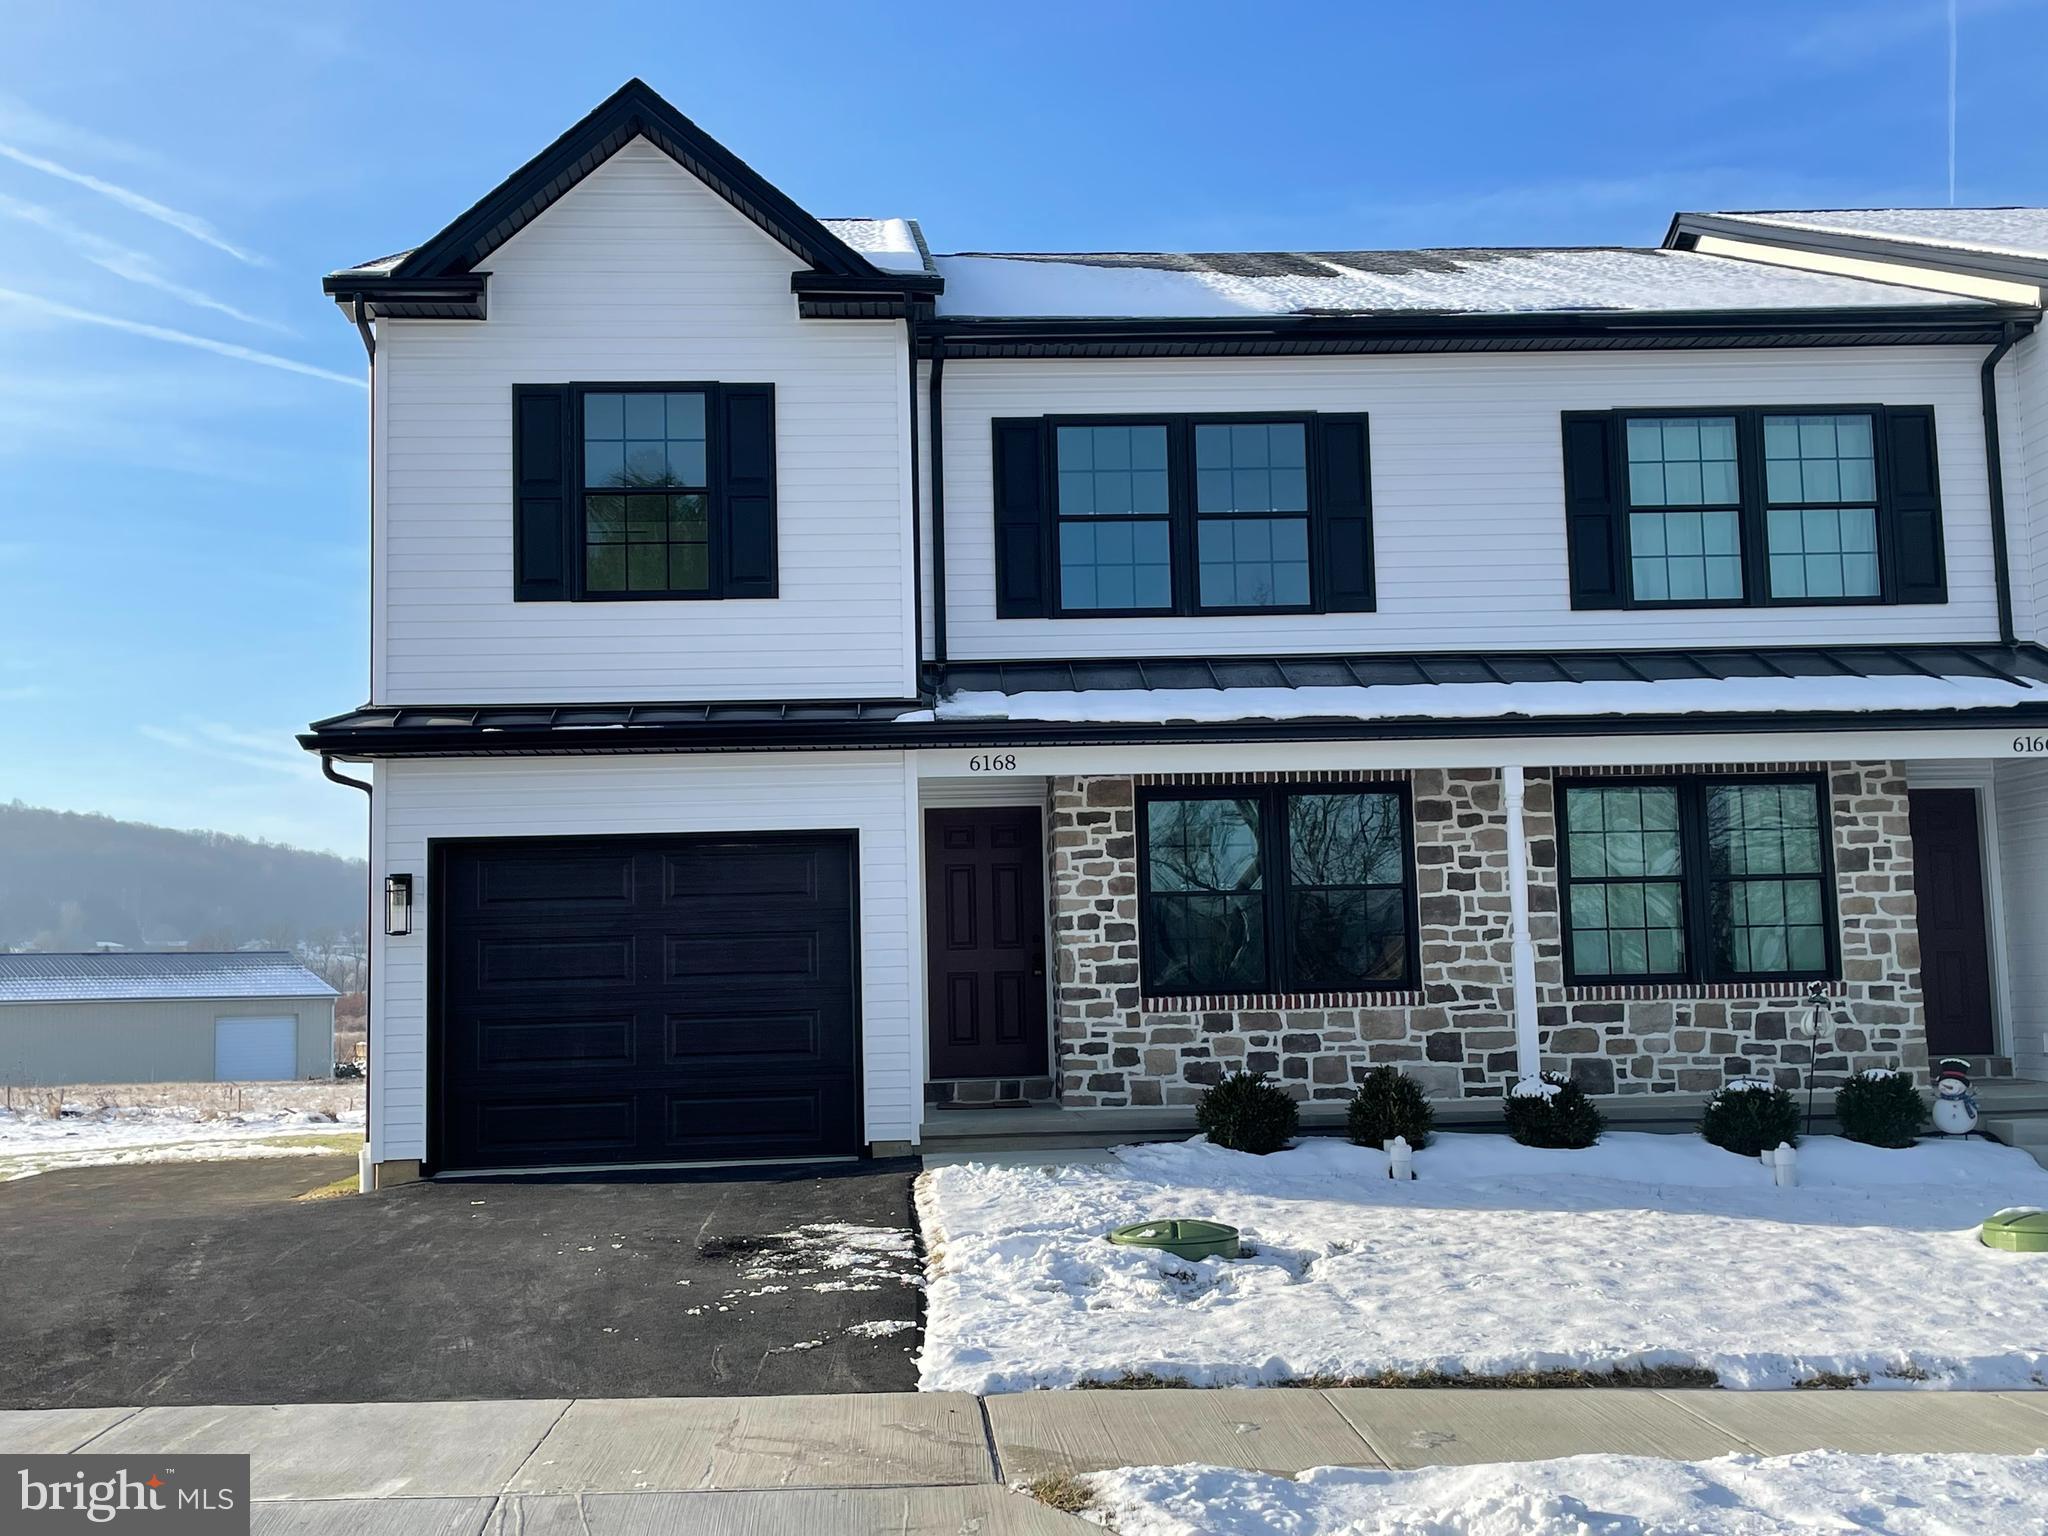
{"points": [[937, 1462]]}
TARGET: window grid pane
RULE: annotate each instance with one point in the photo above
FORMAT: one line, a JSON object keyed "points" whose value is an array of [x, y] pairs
{"points": [[643, 541], [1684, 556], [1626, 915], [1766, 908], [1206, 910], [1251, 467], [1112, 471], [1346, 891], [1253, 562], [1115, 565], [1819, 548], [641, 440]]}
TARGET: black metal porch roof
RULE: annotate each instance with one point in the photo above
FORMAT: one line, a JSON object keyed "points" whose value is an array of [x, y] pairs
{"points": [[820, 724]]}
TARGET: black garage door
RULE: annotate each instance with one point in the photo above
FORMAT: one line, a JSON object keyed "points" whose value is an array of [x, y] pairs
{"points": [[641, 1000]]}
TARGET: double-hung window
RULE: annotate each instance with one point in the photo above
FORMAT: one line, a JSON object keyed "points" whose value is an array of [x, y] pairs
{"points": [[1276, 888], [1697, 879], [1754, 505], [647, 491], [646, 494], [1182, 515]]}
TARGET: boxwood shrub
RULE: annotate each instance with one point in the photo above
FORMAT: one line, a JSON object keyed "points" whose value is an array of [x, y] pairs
{"points": [[1552, 1111], [1748, 1115], [1880, 1108], [1247, 1114], [1390, 1103]]}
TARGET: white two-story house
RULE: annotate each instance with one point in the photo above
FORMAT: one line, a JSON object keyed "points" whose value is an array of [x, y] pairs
{"points": [[820, 688]]}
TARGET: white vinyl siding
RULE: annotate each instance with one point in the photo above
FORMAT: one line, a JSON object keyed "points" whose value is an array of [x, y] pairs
{"points": [[1468, 493], [870, 793], [640, 273], [2022, 803], [2023, 428]]}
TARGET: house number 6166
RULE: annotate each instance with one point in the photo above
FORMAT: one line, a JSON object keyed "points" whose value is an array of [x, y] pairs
{"points": [[993, 762]]}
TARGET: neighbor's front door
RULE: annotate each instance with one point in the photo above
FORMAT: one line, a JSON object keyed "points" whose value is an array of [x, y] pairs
{"points": [[1955, 957], [985, 941]]}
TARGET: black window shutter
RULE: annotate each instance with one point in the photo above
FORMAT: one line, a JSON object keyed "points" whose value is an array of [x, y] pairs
{"points": [[1023, 515], [543, 488], [1343, 444], [1913, 508], [1593, 510], [746, 488]]}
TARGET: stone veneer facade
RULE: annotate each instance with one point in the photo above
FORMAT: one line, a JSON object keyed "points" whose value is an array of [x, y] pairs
{"points": [[1456, 1031]]}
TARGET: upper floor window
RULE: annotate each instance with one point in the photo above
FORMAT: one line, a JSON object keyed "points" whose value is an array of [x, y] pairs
{"points": [[644, 491], [1753, 505], [1136, 516]]}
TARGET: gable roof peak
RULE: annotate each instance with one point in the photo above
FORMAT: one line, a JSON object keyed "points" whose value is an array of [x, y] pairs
{"points": [[634, 110]]}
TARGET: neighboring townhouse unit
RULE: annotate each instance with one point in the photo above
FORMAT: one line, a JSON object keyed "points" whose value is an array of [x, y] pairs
{"points": [[819, 687]]}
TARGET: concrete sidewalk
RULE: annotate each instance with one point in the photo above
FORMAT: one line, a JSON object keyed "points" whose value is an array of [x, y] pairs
{"points": [[936, 1463]]}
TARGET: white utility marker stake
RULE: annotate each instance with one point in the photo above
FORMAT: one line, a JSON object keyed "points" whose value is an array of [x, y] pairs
{"points": [[1521, 947], [1400, 1159]]}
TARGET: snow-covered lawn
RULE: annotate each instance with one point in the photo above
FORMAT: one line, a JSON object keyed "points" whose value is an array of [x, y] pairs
{"points": [[176, 1123], [1645, 1251], [1589, 1496]]}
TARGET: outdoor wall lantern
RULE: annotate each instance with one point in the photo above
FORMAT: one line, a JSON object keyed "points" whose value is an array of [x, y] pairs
{"points": [[398, 905]]}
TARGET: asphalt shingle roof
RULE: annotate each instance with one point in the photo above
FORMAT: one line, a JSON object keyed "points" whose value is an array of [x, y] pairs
{"points": [[49, 978]]}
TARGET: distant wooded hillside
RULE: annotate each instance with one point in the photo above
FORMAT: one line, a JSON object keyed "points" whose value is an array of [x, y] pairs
{"points": [[70, 882]]}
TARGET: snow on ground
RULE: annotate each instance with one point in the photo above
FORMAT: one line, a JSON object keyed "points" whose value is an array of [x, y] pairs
{"points": [[205, 1122], [1589, 1496], [1643, 1251]]}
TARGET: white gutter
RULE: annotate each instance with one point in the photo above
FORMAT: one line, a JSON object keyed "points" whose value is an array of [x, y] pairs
{"points": [[1522, 947]]}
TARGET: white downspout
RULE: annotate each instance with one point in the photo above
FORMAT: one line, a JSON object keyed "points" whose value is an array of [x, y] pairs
{"points": [[1522, 948]]}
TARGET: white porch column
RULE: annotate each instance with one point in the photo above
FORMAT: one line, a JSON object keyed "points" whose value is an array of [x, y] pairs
{"points": [[1523, 948]]}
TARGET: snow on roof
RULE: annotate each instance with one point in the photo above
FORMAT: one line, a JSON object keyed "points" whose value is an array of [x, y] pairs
{"points": [[1477, 281], [39, 978], [1481, 701], [894, 245], [1994, 231]]}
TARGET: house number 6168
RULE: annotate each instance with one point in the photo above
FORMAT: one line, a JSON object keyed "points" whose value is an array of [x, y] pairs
{"points": [[993, 762]]}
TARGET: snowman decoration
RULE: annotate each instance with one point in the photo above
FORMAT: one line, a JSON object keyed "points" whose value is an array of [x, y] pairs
{"points": [[1955, 1107]]}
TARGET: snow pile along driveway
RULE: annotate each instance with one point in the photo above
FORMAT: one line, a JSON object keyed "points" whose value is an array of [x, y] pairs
{"points": [[1643, 1251], [86, 1136], [1611, 1495]]}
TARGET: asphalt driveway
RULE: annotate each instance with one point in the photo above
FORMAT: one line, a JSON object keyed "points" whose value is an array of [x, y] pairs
{"points": [[213, 1283]]}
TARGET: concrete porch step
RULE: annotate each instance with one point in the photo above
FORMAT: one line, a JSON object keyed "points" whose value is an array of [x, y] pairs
{"points": [[2029, 1133]]}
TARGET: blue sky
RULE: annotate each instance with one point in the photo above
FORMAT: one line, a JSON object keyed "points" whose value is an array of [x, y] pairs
{"points": [[182, 524]]}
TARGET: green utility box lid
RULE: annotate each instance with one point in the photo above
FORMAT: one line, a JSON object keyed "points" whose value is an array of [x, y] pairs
{"points": [[2019, 1229], [1186, 1239]]}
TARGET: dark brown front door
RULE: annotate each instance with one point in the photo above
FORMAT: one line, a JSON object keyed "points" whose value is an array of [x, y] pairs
{"points": [[985, 941], [1955, 959]]}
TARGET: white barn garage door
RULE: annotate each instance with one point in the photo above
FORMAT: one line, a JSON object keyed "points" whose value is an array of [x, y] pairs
{"points": [[255, 1050]]}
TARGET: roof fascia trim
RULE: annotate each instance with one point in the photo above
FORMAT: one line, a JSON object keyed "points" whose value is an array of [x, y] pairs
{"points": [[635, 110], [1931, 258]]}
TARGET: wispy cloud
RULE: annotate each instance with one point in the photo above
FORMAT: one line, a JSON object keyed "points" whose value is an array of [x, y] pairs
{"points": [[185, 223], [55, 310], [277, 753], [131, 265], [1842, 38], [21, 123]]}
